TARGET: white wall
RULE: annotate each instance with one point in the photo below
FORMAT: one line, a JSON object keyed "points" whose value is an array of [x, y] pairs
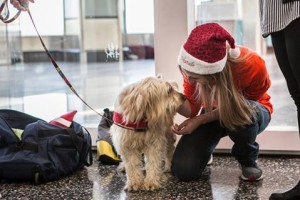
{"points": [[98, 33], [170, 25], [171, 30]]}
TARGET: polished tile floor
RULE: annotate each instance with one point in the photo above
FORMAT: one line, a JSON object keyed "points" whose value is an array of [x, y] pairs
{"points": [[38, 90], [220, 182]]}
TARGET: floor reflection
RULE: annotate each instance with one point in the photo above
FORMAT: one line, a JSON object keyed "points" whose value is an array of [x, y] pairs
{"points": [[221, 182]]}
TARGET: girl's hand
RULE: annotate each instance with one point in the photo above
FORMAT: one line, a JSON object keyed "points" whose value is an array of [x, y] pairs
{"points": [[189, 125], [186, 127], [21, 4]]}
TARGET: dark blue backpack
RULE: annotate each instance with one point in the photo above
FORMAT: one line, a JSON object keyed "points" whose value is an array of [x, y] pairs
{"points": [[44, 152]]}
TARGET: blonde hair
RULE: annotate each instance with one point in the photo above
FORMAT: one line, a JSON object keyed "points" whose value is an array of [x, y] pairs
{"points": [[234, 110]]}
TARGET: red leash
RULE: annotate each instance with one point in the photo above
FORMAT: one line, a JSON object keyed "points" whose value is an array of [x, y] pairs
{"points": [[62, 75], [123, 125], [5, 18]]}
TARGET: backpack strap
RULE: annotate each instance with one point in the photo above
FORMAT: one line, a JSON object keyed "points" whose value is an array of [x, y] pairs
{"points": [[76, 143], [26, 146], [75, 140]]}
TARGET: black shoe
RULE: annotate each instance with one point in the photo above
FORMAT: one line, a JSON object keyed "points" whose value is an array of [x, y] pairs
{"points": [[251, 173], [293, 194]]}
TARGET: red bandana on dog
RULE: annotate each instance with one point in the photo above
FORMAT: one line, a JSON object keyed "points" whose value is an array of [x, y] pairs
{"points": [[140, 125]]}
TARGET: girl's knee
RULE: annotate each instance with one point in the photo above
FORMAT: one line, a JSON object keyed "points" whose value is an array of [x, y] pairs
{"points": [[186, 172], [185, 175]]}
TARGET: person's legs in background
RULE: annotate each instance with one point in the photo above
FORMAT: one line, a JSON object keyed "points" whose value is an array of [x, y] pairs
{"points": [[286, 45]]}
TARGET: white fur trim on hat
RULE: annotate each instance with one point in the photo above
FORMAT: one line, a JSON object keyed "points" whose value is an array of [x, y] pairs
{"points": [[194, 65]]}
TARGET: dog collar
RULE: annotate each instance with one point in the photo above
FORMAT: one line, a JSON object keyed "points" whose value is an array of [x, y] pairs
{"points": [[137, 126]]}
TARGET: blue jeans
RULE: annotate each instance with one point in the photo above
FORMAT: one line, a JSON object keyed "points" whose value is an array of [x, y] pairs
{"points": [[193, 150]]}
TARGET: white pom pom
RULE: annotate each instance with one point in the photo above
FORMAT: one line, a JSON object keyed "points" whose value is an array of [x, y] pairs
{"points": [[234, 53]]}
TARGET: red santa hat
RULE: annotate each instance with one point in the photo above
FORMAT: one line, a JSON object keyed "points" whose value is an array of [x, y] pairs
{"points": [[205, 50], [65, 120]]}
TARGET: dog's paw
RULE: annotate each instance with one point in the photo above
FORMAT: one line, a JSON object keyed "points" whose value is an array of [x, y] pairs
{"points": [[133, 187], [150, 186], [167, 168], [163, 179]]}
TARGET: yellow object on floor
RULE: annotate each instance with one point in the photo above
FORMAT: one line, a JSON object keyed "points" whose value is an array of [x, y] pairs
{"points": [[106, 153]]}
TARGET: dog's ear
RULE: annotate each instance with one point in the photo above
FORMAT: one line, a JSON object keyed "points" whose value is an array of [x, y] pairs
{"points": [[133, 106], [174, 84], [159, 76]]}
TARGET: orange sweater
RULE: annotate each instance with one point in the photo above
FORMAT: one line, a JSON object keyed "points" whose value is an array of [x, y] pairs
{"points": [[250, 77]]}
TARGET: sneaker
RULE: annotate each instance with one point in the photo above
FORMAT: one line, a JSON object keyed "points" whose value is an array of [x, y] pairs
{"points": [[210, 160], [252, 173]]}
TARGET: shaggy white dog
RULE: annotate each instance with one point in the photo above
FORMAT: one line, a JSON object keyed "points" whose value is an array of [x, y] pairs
{"points": [[143, 116]]}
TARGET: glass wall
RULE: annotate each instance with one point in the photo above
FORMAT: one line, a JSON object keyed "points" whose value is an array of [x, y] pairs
{"points": [[93, 46], [103, 45]]}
